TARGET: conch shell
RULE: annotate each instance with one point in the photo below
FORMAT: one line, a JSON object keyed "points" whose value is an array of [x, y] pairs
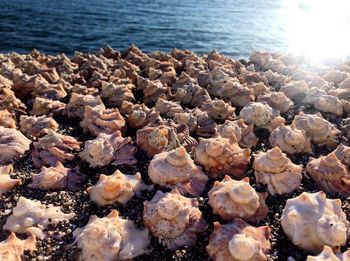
{"points": [[115, 94], [290, 139], [6, 183], [222, 156], [343, 154], [313, 95], [32, 217], [191, 95], [311, 221], [105, 149], [115, 188], [327, 254], [13, 144], [176, 168], [261, 115], [99, 120], [13, 248], [277, 171], [173, 218], [321, 131], [168, 108], [43, 106], [110, 238], [33, 126], [332, 175], [232, 199], [7, 119], [244, 133], [78, 102], [329, 103], [239, 241], [57, 177], [277, 100], [219, 110], [294, 89]]}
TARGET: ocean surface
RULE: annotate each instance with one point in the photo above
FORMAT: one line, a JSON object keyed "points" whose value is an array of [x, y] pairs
{"points": [[233, 27]]}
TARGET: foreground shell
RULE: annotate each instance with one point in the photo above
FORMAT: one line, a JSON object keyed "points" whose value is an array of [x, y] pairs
{"points": [[105, 149], [78, 102], [115, 188], [6, 182], [110, 238], [343, 154], [290, 139], [222, 156], [327, 254], [232, 199], [330, 173], [277, 100], [32, 217], [277, 171], [52, 148], [176, 168], [98, 120], [57, 177], [239, 241], [320, 131], [33, 126], [244, 133], [261, 115], [13, 144], [12, 249], [174, 219], [311, 221]]}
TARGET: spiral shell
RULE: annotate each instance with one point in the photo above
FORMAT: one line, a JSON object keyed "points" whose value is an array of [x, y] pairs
{"points": [[238, 241], [6, 183], [45, 106], [290, 139], [173, 218], [115, 94], [33, 126], [277, 171], [222, 156], [329, 103], [313, 95], [7, 119], [12, 249], [110, 238], [343, 154], [327, 254], [294, 89], [232, 199], [332, 175], [115, 188], [168, 108], [191, 95], [78, 102], [176, 168], [219, 110], [311, 221], [277, 100]]}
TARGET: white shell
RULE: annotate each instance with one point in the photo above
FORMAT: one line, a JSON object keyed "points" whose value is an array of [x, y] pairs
{"points": [[6, 183], [12, 249], [327, 254]]}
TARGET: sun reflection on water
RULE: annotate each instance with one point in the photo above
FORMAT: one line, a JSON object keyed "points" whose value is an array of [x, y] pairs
{"points": [[319, 29]]}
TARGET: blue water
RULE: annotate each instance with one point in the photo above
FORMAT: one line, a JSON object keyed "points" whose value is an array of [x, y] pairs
{"points": [[234, 27]]}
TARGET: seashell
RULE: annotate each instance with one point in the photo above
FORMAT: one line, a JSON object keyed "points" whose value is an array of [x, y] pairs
{"points": [[313, 95], [138, 115], [311, 221], [222, 156], [57, 177], [13, 144], [244, 134], [261, 115], [118, 239], [231, 199], [320, 131], [116, 94], [152, 90], [259, 88], [107, 148], [330, 174], [239, 95], [33, 126], [24, 85], [290, 139], [173, 218], [84, 90], [277, 171], [252, 77], [8, 100], [98, 120], [335, 76], [7, 119], [238, 241], [276, 100], [32, 217], [294, 89], [327, 254], [191, 94], [312, 79], [183, 80], [12, 249], [219, 110], [343, 154], [6, 183], [329, 103], [50, 91], [52, 148], [176, 169], [43, 106], [77, 104], [115, 188], [168, 108], [345, 84]]}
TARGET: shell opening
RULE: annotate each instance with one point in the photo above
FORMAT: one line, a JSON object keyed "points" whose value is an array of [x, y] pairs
{"points": [[242, 248]]}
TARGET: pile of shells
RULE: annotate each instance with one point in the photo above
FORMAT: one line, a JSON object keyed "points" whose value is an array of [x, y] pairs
{"points": [[160, 156]]}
